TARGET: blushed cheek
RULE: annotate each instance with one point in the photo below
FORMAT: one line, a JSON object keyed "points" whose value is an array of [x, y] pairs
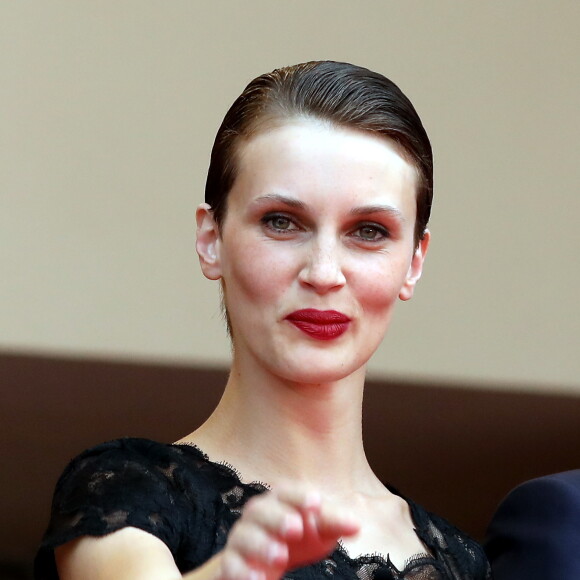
{"points": [[379, 304], [378, 291], [261, 276]]}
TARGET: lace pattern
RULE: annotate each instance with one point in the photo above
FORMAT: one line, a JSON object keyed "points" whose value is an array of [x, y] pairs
{"points": [[189, 502]]}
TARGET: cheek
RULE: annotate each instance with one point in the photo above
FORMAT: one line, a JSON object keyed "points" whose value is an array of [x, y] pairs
{"points": [[379, 284], [258, 274]]}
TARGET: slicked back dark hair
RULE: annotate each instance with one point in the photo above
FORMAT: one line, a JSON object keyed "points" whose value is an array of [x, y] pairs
{"points": [[341, 94]]}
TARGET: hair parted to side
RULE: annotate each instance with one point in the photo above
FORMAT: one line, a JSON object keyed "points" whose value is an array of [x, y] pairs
{"points": [[341, 94]]}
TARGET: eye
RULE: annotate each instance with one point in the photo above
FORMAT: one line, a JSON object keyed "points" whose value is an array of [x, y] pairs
{"points": [[279, 223], [371, 233]]}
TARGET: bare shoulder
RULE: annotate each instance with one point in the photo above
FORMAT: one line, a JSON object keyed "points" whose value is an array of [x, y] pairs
{"points": [[127, 554]]}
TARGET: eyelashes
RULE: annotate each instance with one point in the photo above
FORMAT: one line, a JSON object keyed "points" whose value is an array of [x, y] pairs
{"points": [[366, 232], [371, 232], [280, 223]]}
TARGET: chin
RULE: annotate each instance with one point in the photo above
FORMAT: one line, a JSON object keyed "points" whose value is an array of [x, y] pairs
{"points": [[319, 371]]}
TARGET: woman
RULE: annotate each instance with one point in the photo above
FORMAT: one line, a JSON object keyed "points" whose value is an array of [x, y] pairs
{"points": [[317, 201]]}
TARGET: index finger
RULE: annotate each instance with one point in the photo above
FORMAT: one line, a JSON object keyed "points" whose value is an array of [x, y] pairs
{"points": [[299, 497]]}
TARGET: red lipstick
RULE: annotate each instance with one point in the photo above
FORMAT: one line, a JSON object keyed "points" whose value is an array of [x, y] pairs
{"points": [[319, 324]]}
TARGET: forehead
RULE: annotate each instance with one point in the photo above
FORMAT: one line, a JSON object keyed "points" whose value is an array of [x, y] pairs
{"points": [[308, 156]]}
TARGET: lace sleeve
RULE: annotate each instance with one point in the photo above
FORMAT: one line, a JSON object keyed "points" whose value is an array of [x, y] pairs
{"points": [[127, 482]]}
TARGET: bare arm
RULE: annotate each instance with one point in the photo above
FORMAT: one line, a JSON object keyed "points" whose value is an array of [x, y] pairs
{"points": [[128, 554], [278, 531]]}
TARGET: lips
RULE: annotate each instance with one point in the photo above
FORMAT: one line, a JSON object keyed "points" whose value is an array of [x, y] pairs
{"points": [[320, 324]]}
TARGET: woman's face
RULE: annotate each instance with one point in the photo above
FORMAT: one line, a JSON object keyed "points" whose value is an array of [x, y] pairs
{"points": [[316, 247]]}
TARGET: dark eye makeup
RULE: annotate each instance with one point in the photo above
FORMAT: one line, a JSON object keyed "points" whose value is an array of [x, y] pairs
{"points": [[279, 222], [371, 232]]}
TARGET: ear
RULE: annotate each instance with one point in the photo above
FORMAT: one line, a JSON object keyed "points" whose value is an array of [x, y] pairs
{"points": [[415, 268], [208, 243]]}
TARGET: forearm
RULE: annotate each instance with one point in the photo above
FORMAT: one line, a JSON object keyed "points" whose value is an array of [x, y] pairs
{"points": [[211, 570]]}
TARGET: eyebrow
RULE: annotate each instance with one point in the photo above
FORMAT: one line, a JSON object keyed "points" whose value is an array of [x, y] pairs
{"points": [[289, 201], [356, 211], [370, 209]]}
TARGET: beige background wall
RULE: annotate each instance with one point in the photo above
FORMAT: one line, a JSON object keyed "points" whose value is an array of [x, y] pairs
{"points": [[107, 115]]}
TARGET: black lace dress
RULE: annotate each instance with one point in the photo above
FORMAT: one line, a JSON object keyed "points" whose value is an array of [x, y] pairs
{"points": [[175, 493]]}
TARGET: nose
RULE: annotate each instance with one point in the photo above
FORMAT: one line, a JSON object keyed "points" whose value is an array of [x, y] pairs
{"points": [[322, 270]]}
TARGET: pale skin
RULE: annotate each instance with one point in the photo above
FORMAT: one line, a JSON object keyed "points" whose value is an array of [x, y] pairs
{"points": [[323, 218]]}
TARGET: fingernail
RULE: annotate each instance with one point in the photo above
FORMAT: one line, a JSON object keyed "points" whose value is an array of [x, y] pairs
{"points": [[312, 499], [347, 519], [272, 553], [291, 523]]}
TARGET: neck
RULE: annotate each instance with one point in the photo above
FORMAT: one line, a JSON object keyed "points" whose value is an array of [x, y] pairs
{"points": [[273, 430]]}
